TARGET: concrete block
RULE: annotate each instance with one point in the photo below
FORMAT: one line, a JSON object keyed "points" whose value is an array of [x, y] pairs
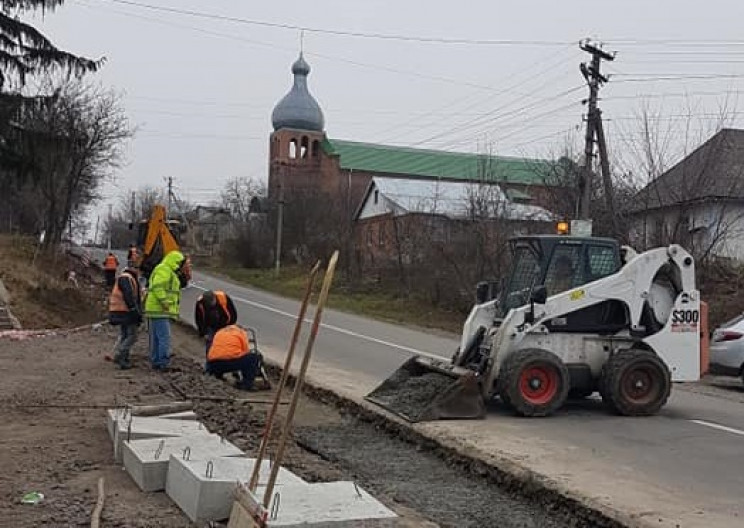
{"points": [[139, 427], [112, 416], [147, 460], [184, 415], [205, 489], [326, 502]]}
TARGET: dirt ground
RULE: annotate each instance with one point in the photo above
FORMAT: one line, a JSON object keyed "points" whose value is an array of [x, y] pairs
{"points": [[51, 443], [40, 294]]}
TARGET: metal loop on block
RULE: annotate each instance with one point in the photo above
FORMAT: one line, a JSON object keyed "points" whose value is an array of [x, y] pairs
{"points": [[275, 506], [186, 453], [209, 473], [159, 450], [356, 488]]}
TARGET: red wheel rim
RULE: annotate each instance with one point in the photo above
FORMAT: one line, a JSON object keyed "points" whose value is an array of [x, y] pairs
{"points": [[538, 384]]}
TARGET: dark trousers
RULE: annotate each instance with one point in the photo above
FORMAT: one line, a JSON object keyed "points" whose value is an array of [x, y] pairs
{"points": [[110, 276], [247, 366]]}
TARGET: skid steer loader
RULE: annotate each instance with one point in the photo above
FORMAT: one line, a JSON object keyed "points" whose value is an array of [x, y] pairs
{"points": [[575, 315]]}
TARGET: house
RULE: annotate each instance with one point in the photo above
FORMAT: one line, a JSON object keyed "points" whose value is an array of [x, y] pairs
{"points": [[396, 215], [698, 203]]}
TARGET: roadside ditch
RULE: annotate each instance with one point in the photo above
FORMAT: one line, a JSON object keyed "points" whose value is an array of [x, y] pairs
{"points": [[338, 439]]}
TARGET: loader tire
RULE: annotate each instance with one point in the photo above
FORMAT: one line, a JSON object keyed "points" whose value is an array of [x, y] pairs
{"points": [[635, 382], [534, 382]]}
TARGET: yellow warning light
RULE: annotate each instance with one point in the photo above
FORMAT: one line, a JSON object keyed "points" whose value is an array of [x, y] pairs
{"points": [[563, 228]]}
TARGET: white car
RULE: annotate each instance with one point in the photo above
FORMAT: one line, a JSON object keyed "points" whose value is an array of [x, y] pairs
{"points": [[727, 348]]}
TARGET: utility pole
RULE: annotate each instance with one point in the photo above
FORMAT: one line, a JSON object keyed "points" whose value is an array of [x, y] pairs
{"points": [[595, 132], [279, 228], [170, 193], [110, 224], [95, 235]]}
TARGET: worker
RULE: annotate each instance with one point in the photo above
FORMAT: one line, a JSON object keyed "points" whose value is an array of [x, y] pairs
{"points": [[213, 310], [125, 311], [110, 265], [230, 352], [162, 305], [563, 277], [132, 256]]}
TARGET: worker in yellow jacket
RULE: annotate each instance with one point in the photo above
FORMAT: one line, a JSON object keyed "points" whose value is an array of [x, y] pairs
{"points": [[162, 305], [231, 352]]}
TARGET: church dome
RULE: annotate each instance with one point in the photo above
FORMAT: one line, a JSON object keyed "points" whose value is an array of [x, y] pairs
{"points": [[298, 109]]}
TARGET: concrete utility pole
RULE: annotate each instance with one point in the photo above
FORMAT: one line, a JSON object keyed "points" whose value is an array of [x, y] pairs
{"points": [[594, 131], [110, 224], [279, 229], [170, 194]]}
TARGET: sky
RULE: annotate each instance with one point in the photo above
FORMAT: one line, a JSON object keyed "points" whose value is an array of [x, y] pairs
{"points": [[200, 89]]}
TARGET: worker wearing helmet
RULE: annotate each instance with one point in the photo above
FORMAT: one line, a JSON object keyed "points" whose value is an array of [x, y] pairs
{"points": [[213, 310], [230, 351], [125, 311], [162, 305], [110, 265]]}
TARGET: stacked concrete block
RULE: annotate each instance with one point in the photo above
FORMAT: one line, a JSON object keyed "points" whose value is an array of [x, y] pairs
{"points": [[147, 460], [139, 427], [183, 415], [205, 489]]}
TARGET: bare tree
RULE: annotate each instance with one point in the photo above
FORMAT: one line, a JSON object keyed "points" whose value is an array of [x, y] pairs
{"points": [[67, 145]]}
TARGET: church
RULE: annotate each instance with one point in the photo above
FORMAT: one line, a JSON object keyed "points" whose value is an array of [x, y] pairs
{"points": [[374, 183]]}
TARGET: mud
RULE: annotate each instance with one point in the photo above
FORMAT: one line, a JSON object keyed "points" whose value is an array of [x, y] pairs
{"points": [[411, 396], [421, 480]]}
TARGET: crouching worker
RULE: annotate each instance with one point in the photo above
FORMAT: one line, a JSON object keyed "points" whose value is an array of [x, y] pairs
{"points": [[125, 311], [231, 352], [213, 310]]}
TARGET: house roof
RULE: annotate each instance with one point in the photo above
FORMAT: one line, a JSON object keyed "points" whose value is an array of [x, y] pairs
{"points": [[451, 199], [713, 171], [386, 159]]}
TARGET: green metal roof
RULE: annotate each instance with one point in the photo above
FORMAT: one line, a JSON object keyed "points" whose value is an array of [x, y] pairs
{"points": [[436, 163]]}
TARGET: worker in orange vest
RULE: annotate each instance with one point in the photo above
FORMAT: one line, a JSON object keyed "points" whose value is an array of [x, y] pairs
{"points": [[231, 352], [125, 311], [213, 310], [110, 265], [132, 256]]}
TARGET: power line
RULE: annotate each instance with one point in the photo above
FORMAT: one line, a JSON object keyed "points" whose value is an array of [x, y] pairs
{"points": [[339, 32], [332, 58]]}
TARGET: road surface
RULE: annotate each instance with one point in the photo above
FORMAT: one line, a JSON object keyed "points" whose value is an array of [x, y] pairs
{"points": [[692, 451]]}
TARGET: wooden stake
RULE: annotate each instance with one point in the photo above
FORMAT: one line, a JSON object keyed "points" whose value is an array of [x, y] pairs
{"points": [[300, 378], [283, 379], [95, 519]]}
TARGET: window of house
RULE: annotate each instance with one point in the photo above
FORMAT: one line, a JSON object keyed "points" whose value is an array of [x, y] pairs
{"points": [[369, 235], [381, 235], [377, 196]]}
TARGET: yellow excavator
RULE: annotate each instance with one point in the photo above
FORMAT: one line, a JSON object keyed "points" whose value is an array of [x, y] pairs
{"points": [[156, 237]]}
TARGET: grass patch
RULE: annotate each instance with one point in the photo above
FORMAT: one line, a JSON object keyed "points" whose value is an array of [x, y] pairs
{"points": [[369, 302]]}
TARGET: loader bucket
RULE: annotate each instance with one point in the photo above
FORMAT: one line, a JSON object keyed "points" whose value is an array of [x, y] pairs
{"points": [[425, 390]]}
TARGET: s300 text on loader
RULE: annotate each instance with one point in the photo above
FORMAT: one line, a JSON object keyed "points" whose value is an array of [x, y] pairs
{"points": [[575, 315]]}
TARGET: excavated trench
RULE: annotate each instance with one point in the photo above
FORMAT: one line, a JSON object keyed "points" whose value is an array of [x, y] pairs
{"points": [[336, 439]]}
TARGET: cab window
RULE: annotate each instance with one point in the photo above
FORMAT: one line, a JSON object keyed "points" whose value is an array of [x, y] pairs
{"points": [[564, 271]]}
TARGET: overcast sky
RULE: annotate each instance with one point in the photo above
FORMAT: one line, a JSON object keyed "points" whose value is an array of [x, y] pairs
{"points": [[201, 91]]}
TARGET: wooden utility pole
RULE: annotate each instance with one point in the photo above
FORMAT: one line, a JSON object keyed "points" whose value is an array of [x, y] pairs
{"points": [[594, 132]]}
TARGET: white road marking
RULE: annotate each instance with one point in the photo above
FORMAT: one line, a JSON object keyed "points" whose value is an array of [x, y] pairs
{"points": [[719, 427], [333, 328]]}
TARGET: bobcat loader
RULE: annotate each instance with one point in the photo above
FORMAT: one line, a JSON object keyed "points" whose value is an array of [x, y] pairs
{"points": [[575, 315]]}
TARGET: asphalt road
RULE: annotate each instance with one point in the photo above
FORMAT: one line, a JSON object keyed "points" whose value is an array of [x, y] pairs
{"points": [[696, 445]]}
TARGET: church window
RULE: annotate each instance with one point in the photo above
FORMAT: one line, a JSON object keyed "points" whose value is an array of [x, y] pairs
{"points": [[304, 147], [293, 149], [316, 148]]}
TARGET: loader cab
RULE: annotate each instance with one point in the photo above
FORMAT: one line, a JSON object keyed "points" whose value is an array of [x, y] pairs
{"points": [[560, 263]]}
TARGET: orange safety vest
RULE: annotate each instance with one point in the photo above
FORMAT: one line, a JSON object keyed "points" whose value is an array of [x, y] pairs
{"points": [[230, 342], [110, 263], [222, 301], [116, 300]]}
